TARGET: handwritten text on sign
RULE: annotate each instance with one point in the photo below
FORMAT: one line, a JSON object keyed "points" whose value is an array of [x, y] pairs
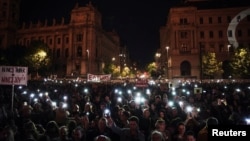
{"points": [[13, 75]]}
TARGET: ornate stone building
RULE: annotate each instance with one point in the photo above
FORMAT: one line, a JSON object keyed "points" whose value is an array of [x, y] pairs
{"points": [[199, 26], [78, 46]]}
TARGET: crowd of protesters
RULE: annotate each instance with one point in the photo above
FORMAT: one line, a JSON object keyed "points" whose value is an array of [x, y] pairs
{"points": [[82, 111]]}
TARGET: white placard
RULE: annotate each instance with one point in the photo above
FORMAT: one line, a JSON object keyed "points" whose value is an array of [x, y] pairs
{"points": [[13, 75]]}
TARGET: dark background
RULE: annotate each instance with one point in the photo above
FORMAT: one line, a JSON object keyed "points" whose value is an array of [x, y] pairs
{"points": [[137, 22]]}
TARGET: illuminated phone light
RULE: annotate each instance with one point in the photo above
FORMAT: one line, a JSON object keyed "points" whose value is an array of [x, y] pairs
{"points": [[86, 90], [170, 103], [106, 111], [148, 92], [40, 94], [137, 99], [247, 121], [120, 92], [198, 109], [65, 105], [35, 100], [54, 104], [189, 109], [174, 93], [24, 92], [119, 99], [32, 95]]}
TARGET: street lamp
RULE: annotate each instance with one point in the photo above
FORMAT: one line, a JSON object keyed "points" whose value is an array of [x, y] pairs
{"points": [[228, 48], [167, 48], [157, 55], [88, 60]]}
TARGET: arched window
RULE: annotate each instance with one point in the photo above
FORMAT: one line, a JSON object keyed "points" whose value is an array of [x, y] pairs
{"points": [[185, 68]]}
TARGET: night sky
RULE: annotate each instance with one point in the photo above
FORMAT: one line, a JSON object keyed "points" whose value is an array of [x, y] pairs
{"points": [[137, 22]]}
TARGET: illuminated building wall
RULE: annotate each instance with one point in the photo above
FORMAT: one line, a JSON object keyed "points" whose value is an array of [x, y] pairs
{"points": [[78, 46], [192, 30]]}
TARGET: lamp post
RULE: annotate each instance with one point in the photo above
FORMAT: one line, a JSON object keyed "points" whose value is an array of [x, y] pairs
{"points": [[167, 48], [157, 56], [228, 48], [88, 65]]}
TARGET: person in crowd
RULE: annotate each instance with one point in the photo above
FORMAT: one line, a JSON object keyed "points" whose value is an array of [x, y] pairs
{"points": [[52, 130], [101, 129], [190, 136], [102, 138], [30, 131], [7, 134], [88, 111], [203, 133], [128, 134], [79, 134], [123, 119], [61, 114], [179, 133], [71, 125], [156, 136], [160, 126], [63, 133], [146, 123]]}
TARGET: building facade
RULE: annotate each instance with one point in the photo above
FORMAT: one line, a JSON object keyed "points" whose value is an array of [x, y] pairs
{"points": [[196, 27], [78, 46]]}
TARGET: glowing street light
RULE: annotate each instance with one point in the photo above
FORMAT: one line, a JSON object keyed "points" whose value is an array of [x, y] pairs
{"points": [[167, 48], [88, 65], [228, 48]]}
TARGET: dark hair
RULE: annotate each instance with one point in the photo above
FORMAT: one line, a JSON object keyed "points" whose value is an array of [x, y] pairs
{"points": [[126, 113], [212, 121], [134, 118], [159, 121]]}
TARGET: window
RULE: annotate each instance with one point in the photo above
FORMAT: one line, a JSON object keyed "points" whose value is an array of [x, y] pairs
{"points": [[211, 34], [202, 35], [58, 53], [184, 47], [58, 40], [67, 52], [79, 51], [183, 21], [210, 20], [50, 41], [229, 19], [183, 34], [79, 37], [219, 20], [230, 33], [201, 20], [221, 48], [212, 48], [67, 40], [238, 18], [220, 34]]}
